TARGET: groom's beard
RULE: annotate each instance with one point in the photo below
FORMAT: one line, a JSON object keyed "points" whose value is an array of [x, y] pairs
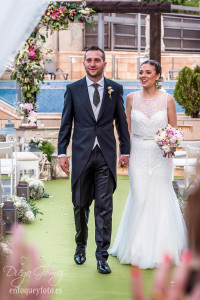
{"points": [[98, 73]]}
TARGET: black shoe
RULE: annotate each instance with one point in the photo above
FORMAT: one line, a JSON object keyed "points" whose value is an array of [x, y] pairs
{"points": [[103, 267], [79, 256]]}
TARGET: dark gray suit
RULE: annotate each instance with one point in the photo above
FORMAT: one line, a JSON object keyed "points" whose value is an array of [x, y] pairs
{"points": [[77, 109]]}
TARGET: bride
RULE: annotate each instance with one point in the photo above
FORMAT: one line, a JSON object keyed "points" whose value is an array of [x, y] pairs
{"points": [[152, 223]]}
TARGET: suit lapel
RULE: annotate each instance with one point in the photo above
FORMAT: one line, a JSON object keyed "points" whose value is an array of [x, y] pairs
{"points": [[105, 98], [84, 96]]}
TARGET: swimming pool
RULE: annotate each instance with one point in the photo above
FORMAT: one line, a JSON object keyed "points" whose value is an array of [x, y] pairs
{"points": [[51, 98]]}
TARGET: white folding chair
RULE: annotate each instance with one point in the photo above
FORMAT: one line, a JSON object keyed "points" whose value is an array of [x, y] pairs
{"points": [[192, 160], [179, 161], [8, 165]]}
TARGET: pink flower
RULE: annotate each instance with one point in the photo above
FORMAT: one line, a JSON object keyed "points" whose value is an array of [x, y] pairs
{"points": [[54, 14], [173, 139], [32, 116], [28, 106], [32, 54], [32, 113], [32, 124], [62, 9]]}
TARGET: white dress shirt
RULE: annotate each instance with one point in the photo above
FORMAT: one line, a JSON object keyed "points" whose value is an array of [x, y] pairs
{"points": [[91, 90]]}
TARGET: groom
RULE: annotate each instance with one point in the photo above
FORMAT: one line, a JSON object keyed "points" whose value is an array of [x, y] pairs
{"points": [[91, 105]]}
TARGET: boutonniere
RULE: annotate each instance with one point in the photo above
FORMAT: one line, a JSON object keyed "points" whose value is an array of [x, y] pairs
{"points": [[110, 90]]}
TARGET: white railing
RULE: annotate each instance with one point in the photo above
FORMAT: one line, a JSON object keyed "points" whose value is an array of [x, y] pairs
{"points": [[176, 63]]}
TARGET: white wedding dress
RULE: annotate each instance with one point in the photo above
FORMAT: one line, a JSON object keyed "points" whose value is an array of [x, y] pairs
{"points": [[152, 223]]}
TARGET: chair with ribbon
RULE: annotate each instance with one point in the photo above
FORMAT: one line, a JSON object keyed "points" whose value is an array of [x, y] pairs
{"points": [[8, 167], [192, 162]]}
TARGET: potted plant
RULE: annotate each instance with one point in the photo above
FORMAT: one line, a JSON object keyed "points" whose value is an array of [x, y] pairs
{"points": [[187, 91]]}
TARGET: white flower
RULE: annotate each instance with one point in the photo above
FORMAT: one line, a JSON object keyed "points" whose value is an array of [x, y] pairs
{"points": [[163, 135], [110, 90], [166, 148], [84, 12], [30, 216], [5, 248]]}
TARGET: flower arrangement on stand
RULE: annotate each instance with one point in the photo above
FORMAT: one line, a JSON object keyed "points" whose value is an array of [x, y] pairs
{"points": [[28, 69], [29, 115]]}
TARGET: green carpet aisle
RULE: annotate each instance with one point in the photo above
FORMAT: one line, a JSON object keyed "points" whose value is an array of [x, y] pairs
{"points": [[54, 234]]}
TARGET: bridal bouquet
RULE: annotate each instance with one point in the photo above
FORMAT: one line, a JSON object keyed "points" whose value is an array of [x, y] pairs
{"points": [[168, 139]]}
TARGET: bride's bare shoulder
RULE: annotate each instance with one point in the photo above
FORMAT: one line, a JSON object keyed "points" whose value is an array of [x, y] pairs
{"points": [[129, 98]]}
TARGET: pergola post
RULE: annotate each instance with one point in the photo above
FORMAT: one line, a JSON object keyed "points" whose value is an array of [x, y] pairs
{"points": [[155, 36]]}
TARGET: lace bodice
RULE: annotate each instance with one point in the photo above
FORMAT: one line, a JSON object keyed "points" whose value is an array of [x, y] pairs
{"points": [[148, 115]]}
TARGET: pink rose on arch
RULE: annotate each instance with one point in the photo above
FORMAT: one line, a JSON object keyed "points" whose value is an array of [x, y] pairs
{"points": [[32, 54], [28, 106]]}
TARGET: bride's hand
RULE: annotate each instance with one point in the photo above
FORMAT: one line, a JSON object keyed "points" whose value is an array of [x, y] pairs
{"points": [[123, 161], [161, 288]]}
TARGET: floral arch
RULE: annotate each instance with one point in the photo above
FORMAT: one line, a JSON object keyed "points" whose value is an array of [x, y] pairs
{"points": [[28, 68]]}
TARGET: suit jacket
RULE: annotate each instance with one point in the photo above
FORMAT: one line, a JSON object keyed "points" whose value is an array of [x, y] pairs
{"points": [[78, 110]]}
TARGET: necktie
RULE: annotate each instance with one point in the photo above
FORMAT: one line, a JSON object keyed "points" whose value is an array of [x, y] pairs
{"points": [[96, 97]]}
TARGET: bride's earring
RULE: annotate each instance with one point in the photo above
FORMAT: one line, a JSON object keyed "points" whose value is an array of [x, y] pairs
{"points": [[159, 83]]}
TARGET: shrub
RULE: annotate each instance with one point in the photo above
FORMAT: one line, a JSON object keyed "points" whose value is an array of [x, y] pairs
{"points": [[187, 91]]}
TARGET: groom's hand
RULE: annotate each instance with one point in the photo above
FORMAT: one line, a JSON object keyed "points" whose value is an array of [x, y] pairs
{"points": [[123, 161], [64, 164]]}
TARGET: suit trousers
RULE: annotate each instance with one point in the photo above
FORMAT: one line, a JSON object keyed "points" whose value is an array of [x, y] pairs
{"points": [[95, 182]]}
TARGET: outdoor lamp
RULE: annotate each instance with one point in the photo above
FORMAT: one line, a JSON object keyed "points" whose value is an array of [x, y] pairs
{"points": [[23, 190], [46, 170], [9, 215], [9, 131]]}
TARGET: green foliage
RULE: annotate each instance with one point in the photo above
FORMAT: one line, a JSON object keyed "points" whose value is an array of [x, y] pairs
{"points": [[34, 208], [48, 148], [187, 91], [194, 3]]}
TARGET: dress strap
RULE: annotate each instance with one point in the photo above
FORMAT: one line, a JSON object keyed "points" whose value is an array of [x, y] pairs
{"points": [[166, 100]]}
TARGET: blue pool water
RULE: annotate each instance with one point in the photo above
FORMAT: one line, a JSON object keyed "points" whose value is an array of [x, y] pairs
{"points": [[51, 98]]}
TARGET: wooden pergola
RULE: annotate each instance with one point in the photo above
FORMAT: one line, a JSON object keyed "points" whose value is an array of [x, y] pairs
{"points": [[155, 9]]}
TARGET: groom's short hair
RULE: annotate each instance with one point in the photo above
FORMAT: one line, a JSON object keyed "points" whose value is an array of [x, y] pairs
{"points": [[95, 48]]}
